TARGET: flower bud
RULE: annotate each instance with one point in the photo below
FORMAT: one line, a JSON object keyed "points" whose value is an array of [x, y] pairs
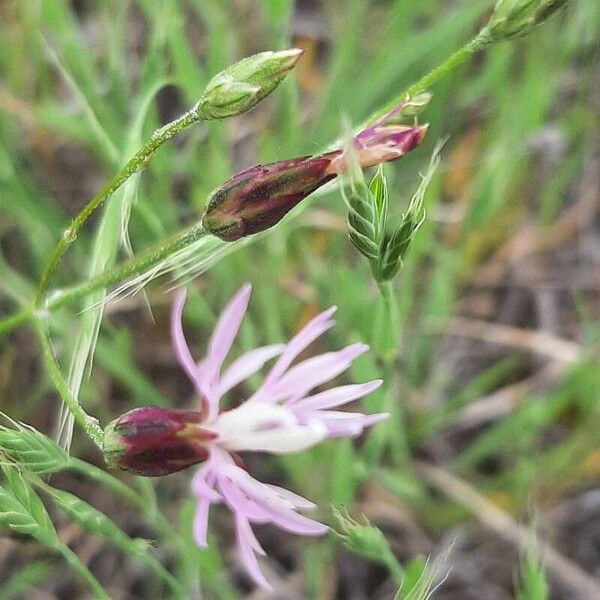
{"points": [[242, 86], [261, 196], [154, 441], [363, 539], [516, 18]]}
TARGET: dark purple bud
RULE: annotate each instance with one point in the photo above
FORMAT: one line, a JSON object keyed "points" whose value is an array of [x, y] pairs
{"points": [[261, 196], [154, 441]]}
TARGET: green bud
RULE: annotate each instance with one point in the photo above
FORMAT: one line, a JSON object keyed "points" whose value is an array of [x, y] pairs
{"points": [[242, 86], [364, 539], [516, 18]]}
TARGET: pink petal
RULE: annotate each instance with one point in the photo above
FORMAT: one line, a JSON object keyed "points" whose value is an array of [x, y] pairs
{"points": [[200, 525], [293, 522], [348, 424], [337, 396], [247, 546], [239, 503], [203, 481], [279, 509], [226, 330], [314, 371], [310, 332], [181, 347], [246, 365]]}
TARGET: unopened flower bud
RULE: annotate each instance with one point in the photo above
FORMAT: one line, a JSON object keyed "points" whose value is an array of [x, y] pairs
{"points": [[516, 18], [363, 539], [154, 441], [260, 196], [242, 86]]}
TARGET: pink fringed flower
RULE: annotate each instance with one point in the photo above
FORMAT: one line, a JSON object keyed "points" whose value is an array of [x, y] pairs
{"points": [[282, 416]]}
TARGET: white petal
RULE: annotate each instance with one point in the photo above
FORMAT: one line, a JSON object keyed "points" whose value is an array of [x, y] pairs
{"points": [[265, 428], [281, 441]]}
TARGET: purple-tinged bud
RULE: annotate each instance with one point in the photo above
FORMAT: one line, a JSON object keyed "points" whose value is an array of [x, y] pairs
{"points": [[152, 441], [261, 196]]}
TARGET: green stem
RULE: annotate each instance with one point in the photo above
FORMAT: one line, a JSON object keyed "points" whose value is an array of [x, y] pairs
{"points": [[121, 272], [13, 321], [479, 42], [89, 424], [135, 164], [152, 514], [83, 572], [396, 570], [102, 477], [386, 343], [385, 334], [127, 269]]}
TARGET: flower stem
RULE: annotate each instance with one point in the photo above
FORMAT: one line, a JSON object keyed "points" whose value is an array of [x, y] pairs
{"points": [[153, 515], [135, 164], [89, 424], [479, 42], [149, 258], [18, 318], [139, 161], [83, 572], [386, 343]]}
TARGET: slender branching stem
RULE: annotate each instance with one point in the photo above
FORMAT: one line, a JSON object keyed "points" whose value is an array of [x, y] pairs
{"points": [[123, 271], [89, 424], [479, 42], [16, 319], [86, 575], [135, 164], [139, 161]]}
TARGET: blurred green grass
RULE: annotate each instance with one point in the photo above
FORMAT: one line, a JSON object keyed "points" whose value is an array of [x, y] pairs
{"points": [[123, 68]]}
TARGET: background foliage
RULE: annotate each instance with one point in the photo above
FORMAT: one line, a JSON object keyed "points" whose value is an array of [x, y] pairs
{"points": [[495, 382]]}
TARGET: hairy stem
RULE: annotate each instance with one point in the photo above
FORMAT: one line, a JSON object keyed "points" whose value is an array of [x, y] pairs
{"points": [[147, 259], [86, 575], [89, 424], [139, 161], [15, 320], [135, 164], [479, 42]]}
